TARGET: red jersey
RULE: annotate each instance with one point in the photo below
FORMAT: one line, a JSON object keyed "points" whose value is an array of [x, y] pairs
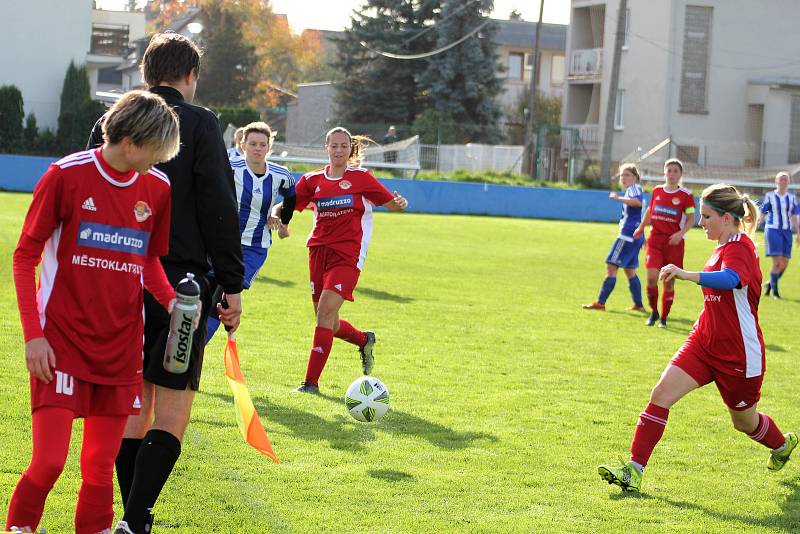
{"points": [[670, 211], [342, 209], [96, 227], [728, 325]]}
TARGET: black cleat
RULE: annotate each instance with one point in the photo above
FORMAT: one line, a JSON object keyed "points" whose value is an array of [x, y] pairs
{"points": [[367, 359], [662, 323], [305, 387], [652, 319], [768, 289]]}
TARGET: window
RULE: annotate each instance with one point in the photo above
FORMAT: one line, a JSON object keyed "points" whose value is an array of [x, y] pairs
{"points": [[515, 60], [694, 67], [557, 69], [109, 75], [619, 111]]}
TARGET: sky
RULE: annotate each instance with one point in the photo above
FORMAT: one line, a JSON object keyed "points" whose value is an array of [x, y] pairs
{"points": [[335, 15]]}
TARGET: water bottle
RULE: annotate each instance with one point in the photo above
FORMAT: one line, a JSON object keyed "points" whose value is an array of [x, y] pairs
{"points": [[181, 326]]}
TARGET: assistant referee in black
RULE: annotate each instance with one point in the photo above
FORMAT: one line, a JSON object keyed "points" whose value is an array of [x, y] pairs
{"points": [[204, 236]]}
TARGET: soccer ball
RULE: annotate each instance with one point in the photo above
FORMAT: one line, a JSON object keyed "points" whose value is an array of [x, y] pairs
{"points": [[367, 399]]}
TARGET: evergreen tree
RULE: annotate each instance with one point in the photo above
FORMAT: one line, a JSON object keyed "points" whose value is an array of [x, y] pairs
{"points": [[227, 73], [31, 132], [462, 82], [374, 89], [78, 111], [11, 115]]}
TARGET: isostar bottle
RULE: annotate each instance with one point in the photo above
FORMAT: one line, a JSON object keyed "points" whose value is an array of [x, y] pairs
{"points": [[181, 326]]}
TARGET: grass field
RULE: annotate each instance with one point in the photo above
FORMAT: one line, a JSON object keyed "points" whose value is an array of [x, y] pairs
{"points": [[505, 397]]}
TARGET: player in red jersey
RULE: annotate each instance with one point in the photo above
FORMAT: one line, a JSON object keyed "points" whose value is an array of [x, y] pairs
{"points": [[725, 347], [98, 221], [671, 215], [342, 197]]}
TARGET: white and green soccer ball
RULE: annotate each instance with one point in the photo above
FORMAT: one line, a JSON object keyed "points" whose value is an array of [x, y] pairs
{"points": [[367, 399]]}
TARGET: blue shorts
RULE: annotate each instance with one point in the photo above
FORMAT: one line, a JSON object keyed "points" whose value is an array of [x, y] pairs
{"points": [[778, 242], [624, 253], [254, 258]]}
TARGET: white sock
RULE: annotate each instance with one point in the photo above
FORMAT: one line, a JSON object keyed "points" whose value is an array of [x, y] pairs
{"points": [[639, 467]]}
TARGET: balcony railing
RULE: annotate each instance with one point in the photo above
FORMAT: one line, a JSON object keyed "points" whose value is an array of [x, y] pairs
{"points": [[109, 39], [586, 63]]}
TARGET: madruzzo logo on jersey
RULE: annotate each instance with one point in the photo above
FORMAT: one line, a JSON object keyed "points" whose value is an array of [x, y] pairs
{"points": [[335, 203], [666, 210], [117, 238]]}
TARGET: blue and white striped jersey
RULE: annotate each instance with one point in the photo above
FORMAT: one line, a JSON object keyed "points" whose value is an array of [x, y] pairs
{"points": [[233, 152], [256, 196], [779, 210], [631, 217]]}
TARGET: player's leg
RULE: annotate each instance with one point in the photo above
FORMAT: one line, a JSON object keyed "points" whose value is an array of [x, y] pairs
{"points": [[654, 260], [101, 440], [635, 288], [613, 260], [158, 453], [136, 427], [674, 255], [52, 429], [342, 279], [327, 312]]}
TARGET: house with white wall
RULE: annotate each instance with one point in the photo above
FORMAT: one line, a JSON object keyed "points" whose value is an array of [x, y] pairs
{"points": [[721, 78]]}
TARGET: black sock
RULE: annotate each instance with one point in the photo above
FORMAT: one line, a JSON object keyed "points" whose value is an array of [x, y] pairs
{"points": [[157, 456], [125, 464]]}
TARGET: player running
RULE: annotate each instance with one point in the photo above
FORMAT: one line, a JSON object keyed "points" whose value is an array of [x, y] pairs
{"points": [[342, 197], [781, 211], [671, 215], [625, 250], [725, 346], [99, 221], [258, 185]]}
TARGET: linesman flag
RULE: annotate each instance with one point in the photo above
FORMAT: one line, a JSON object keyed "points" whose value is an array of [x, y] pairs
{"points": [[247, 417]]}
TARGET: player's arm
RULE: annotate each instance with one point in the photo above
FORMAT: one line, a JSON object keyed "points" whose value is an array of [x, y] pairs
{"points": [[725, 278], [642, 225], [156, 282], [634, 202], [398, 202]]}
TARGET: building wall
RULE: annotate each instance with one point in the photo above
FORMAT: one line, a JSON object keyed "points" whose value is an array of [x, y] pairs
{"points": [[310, 117], [512, 88], [37, 65]]}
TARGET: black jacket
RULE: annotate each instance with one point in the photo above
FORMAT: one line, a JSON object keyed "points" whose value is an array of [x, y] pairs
{"points": [[205, 215]]}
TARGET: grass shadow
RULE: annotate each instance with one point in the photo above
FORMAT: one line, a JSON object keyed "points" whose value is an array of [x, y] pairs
{"points": [[775, 348], [788, 519], [383, 295], [390, 475], [274, 282]]}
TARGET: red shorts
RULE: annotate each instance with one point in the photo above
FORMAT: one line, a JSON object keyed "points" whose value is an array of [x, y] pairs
{"points": [[332, 270], [738, 392], [658, 252], [85, 398]]}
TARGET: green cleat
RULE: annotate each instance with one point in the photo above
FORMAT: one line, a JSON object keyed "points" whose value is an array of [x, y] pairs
{"points": [[625, 476], [367, 358], [778, 459]]}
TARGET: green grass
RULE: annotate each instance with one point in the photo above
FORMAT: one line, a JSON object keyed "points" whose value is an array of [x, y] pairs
{"points": [[505, 397]]}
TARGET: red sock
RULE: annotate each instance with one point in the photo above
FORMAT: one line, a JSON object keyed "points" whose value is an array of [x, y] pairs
{"points": [[649, 429], [27, 504], [767, 432], [320, 349], [666, 303], [652, 297], [351, 334], [95, 510]]}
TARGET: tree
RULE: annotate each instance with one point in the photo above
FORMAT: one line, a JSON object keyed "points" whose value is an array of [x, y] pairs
{"points": [[375, 89], [227, 75], [78, 111], [462, 81], [11, 115], [161, 13], [31, 132], [548, 113]]}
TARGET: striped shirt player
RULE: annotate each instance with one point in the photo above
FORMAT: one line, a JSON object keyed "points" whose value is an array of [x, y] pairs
{"points": [[625, 249], [780, 212], [234, 153], [256, 194]]}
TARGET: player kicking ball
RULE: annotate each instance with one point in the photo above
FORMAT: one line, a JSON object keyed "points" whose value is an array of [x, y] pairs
{"points": [[98, 221], [725, 347]]}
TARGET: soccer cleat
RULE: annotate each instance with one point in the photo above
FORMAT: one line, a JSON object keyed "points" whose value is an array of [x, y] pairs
{"points": [[594, 306], [625, 476], [777, 460], [768, 289], [662, 323], [367, 359], [775, 295], [635, 308], [652, 319], [122, 528], [305, 387]]}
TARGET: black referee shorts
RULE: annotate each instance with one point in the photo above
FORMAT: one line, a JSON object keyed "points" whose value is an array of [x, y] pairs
{"points": [[156, 329]]}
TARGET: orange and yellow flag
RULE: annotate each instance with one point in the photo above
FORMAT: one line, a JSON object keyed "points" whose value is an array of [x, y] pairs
{"points": [[246, 415]]}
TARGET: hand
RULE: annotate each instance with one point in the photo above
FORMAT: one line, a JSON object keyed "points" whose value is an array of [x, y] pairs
{"points": [[668, 272], [675, 238], [273, 222], [231, 315], [283, 231], [639, 232], [613, 195], [399, 201], [40, 359]]}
